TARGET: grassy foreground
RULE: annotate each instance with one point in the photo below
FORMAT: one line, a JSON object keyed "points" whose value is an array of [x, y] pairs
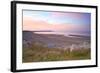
{"points": [[39, 53]]}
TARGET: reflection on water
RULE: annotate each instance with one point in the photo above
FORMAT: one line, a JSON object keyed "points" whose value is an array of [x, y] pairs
{"points": [[64, 33]]}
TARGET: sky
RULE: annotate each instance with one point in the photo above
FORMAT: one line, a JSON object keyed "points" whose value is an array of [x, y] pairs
{"points": [[56, 21]]}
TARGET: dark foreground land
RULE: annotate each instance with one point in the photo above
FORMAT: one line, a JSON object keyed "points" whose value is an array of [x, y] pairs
{"points": [[48, 47]]}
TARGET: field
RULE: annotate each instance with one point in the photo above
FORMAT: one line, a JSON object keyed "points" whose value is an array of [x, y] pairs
{"points": [[39, 53], [54, 47]]}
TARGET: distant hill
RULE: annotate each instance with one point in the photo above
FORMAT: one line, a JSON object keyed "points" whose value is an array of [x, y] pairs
{"points": [[38, 31]]}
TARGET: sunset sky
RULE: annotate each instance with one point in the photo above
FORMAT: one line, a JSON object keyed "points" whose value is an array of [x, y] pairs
{"points": [[56, 21]]}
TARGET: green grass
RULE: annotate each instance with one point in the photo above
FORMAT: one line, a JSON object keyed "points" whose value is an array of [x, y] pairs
{"points": [[39, 53]]}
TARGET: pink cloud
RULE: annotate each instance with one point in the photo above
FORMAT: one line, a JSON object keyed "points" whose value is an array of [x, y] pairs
{"points": [[32, 25], [69, 14]]}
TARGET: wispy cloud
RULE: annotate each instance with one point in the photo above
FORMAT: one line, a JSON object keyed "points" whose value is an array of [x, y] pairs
{"points": [[56, 21]]}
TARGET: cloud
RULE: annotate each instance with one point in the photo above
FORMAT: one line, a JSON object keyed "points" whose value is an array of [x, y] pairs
{"points": [[34, 25], [68, 14]]}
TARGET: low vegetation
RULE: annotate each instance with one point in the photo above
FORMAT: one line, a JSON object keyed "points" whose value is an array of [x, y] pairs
{"points": [[39, 53]]}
